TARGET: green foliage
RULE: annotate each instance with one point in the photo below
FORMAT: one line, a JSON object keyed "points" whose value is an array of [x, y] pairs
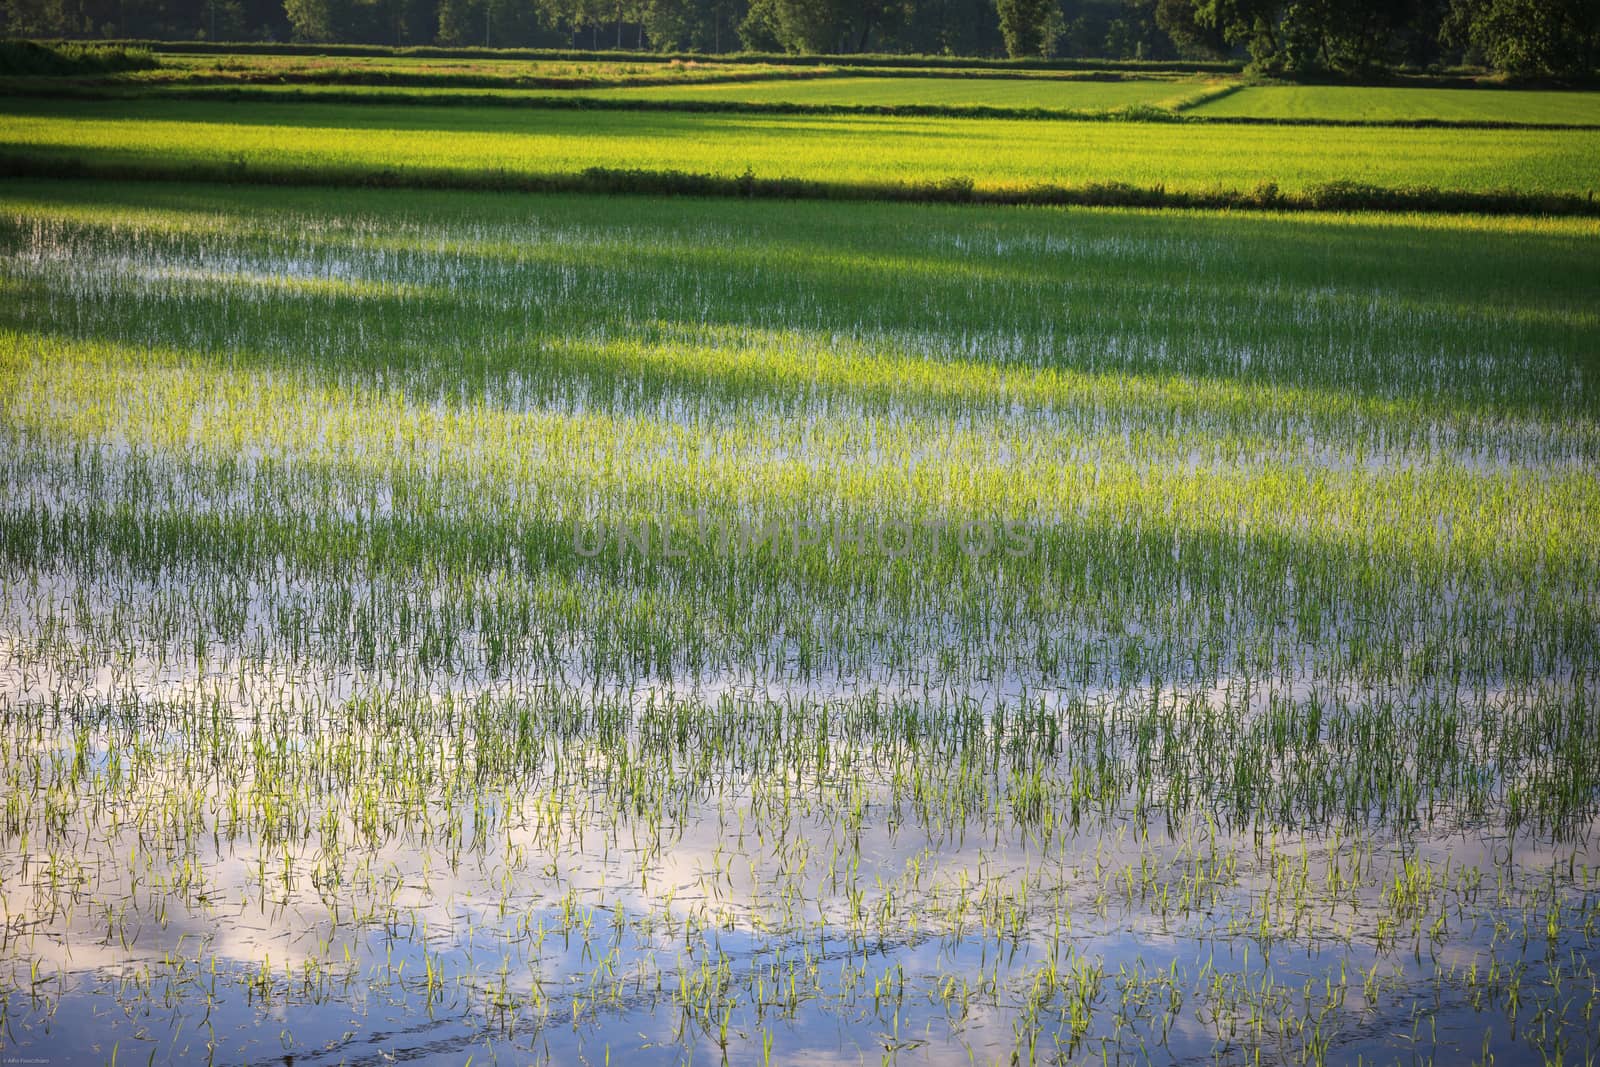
{"points": [[1305, 37], [488, 21], [313, 20], [394, 21], [1529, 38], [187, 20], [709, 26], [1344, 36], [22, 58], [817, 26], [1293, 38], [1193, 35], [1026, 26], [1252, 23]]}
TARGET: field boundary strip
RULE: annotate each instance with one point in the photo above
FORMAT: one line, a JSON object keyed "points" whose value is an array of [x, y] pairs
{"points": [[379, 79], [1326, 196], [515, 97]]}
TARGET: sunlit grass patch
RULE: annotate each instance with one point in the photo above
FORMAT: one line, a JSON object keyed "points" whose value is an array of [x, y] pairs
{"points": [[1384, 104], [990, 154]]}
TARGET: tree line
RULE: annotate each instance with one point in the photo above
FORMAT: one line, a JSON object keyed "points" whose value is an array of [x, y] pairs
{"points": [[1525, 38]]}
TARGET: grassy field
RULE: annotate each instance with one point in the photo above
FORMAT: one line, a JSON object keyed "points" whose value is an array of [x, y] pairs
{"points": [[832, 84], [1026, 96], [1382, 104], [557, 627], [1021, 93], [179, 69], [308, 140]]}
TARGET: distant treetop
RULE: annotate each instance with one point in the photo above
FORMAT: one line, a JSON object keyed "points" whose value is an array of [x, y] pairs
{"points": [[1291, 38]]}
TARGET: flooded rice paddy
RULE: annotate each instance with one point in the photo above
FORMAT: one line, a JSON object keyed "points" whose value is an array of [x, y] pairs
{"points": [[439, 628]]}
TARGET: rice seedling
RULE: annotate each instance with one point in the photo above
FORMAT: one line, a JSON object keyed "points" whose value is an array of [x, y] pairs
{"points": [[556, 627]]}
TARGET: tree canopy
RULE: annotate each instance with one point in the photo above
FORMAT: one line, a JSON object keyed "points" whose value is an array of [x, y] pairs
{"points": [[1526, 38]]}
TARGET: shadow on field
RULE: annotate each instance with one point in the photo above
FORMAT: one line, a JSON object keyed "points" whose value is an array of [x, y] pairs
{"points": [[1371, 308], [446, 118]]}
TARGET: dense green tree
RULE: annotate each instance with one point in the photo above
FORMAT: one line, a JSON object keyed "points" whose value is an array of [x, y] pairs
{"points": [[807, 26], [1134, 32], [1303, 36], [1420, 28], [795, 25], [583, 23], [693, 25], [1115, 29], [314, 20], [1336, 35], [1191, 36], [1251, 23], [392, 22], [944, 27], [60, 18], [1026, 26], [1287, 37], [1528, 37]]}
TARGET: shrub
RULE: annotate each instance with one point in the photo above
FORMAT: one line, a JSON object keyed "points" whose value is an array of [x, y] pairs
{"points": [[31, 58]]}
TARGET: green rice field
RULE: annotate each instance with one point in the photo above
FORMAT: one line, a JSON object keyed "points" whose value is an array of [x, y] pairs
{"points": [[446, 626], [1020, 93], [1384, 104], [837, 84], [305, 139], [179, 68], [1024, 96]]}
